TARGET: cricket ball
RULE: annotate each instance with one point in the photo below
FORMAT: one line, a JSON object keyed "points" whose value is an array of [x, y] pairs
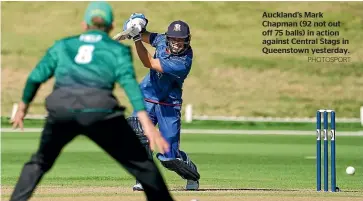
{"points": [[350, 170]]}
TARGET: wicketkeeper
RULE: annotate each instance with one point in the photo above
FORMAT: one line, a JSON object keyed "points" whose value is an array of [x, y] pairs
{"points": [[85, 68], [162, 89]]}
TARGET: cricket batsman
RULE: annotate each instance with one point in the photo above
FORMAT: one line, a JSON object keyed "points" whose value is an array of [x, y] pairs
{"points": [[86, 67], [162, 89]]}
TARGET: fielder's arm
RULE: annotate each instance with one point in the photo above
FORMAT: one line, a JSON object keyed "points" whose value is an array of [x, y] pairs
{"points": [[126, 77], [40, 74], [43, 71]]}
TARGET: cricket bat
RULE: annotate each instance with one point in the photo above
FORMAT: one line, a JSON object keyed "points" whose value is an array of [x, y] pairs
{"points": [[123, 34]]}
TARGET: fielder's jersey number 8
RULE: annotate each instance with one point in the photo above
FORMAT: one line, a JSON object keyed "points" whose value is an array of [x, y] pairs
{"points": [[84, 55]]}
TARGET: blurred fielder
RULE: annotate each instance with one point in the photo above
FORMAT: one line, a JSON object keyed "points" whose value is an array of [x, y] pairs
{"points": [[86, 68], [162, 89]]}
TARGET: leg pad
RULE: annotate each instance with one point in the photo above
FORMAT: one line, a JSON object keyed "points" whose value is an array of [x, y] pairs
{"points": [[137, 127], [186, 171]]}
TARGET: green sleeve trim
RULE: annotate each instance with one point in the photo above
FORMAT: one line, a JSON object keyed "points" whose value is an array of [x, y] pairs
{"points": [[134, 94], [138, 105], [30, 90]]}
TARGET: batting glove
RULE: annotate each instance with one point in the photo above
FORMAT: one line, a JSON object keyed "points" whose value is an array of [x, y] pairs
{"points": [[141, 19], [139, 23], [135, 33]]}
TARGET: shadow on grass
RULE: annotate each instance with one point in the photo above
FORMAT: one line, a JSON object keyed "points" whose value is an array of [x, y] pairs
{"points": [[236, 189], [259, 189]]}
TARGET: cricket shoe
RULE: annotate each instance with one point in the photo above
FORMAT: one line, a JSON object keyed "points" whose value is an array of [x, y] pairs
{"points": [[138, 187], [192, 185]]}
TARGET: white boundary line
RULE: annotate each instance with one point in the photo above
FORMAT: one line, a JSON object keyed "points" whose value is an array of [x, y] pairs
{"points": [[221, 132]]}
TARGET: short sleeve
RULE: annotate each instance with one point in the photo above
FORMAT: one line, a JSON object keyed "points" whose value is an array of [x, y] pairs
{"points": [[155, 39]]}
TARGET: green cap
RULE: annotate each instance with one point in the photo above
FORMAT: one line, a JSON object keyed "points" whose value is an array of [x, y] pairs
{"points": [[99, 9]]}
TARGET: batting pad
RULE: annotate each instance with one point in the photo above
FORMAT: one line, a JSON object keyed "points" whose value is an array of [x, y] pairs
{"points": [[180, 167]]}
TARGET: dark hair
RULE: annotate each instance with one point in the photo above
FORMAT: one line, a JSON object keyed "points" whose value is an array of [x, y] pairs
{"points": [[99, 23]]}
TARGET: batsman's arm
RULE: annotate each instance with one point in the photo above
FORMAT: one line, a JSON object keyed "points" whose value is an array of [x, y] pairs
{"points": [[147, 60], [43, 71], [148, 37], [176, 67], [145, 37], [126, 77]]}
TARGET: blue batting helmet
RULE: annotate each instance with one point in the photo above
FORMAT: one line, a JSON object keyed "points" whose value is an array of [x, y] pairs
{"points": [[178, 30]]}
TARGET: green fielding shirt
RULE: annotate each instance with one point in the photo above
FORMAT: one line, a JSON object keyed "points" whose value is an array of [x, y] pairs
{"points": [[91, 62]]}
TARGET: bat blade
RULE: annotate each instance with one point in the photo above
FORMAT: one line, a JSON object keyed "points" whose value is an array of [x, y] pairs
{"points": [[123, 35]]}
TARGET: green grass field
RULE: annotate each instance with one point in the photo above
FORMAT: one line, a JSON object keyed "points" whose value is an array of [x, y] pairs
{"points": [[244, 162], [230, 75]]}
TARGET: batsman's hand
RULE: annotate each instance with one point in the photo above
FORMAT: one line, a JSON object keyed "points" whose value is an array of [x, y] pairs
{"points": [[135, 33], [18, 119], [139, 22], [139, 18]]}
